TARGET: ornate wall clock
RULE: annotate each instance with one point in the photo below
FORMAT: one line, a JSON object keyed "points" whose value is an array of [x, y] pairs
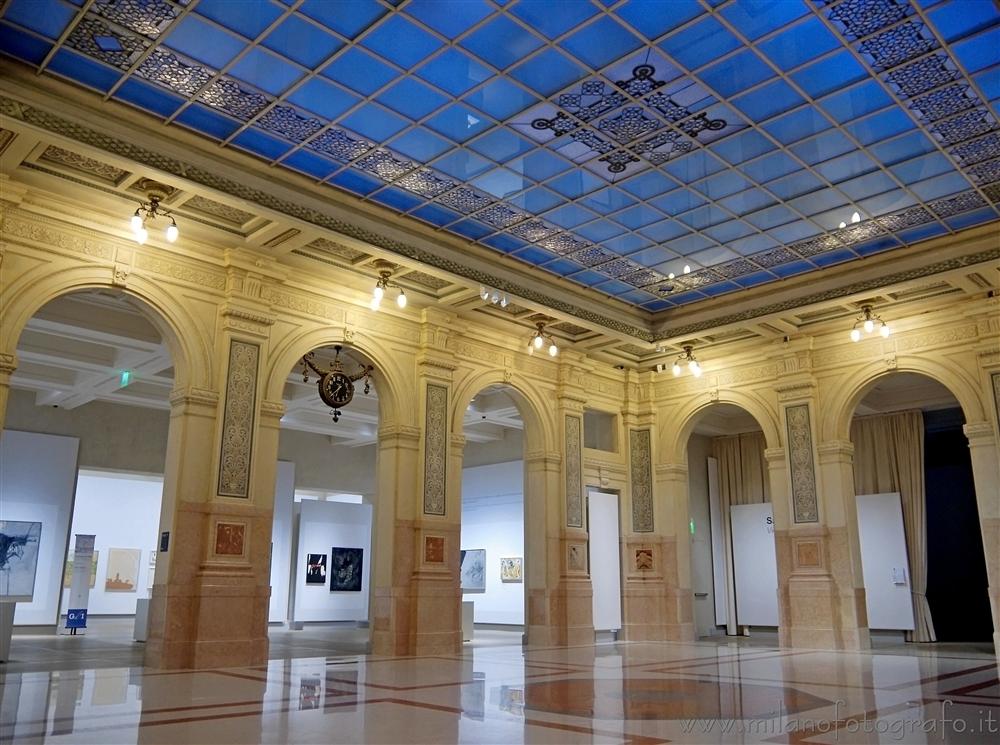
{"points": [[336, 388]]}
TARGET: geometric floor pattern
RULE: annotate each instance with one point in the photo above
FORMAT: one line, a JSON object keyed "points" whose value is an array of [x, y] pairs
{"points": [[606, 693]]}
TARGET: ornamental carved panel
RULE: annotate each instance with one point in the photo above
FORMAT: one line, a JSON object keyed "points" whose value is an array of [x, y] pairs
{"points": [[640, 468], [238, 420], [801, 464], [574, 472], [435, 449]]}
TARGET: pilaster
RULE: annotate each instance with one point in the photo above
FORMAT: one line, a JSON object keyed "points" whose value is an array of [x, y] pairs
{"points": [[985, 456]]}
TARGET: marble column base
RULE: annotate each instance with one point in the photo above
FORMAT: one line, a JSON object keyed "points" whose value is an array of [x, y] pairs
{"points": [[819, 616], [561, 617], [220, 620]]}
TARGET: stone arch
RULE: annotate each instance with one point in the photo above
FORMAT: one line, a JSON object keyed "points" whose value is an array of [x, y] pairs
{"points": [[673, 449], [538, 431], [849, 391], [188, 344], [388, 374]]}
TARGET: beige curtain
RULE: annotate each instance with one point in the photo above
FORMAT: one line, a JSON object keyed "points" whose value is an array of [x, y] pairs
{"points": [[889, 457], [743, 479]]}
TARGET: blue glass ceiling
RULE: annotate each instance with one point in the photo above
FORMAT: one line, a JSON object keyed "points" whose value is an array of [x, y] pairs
{"points": [[612, 143]]}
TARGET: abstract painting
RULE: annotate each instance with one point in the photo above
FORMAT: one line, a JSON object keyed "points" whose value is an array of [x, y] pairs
{"points": [[474, 570], [345, 569], [315, 569], [18, 558], [511, 569], [122, 572], [68, 571]]}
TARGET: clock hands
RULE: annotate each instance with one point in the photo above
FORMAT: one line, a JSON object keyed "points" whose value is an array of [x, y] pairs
{"points": [[336, 388]]}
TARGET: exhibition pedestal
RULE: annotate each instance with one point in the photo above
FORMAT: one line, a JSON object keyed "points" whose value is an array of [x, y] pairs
{"points": [[6, 629], [468, 620], [141, 628]]}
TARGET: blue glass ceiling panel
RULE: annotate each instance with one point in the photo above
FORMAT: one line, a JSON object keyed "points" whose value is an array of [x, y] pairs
{"points": [[575, 133]]}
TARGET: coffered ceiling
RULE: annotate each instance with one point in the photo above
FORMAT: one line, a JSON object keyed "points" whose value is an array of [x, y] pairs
{"points": [[606, 145]]}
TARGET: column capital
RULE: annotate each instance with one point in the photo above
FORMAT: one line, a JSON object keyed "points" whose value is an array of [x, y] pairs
{"points": [[979, 434], [547, 459], [832, 451], [774, 455], [8, 364], [671, 471], [272, 409], [191, 396]]}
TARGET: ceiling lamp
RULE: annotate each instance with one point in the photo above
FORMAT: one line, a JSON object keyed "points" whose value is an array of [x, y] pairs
{"points": [[493, 296], [539, 339], [384, 272], [855, 218], [149, 211], [867, 321], [687, 357]]}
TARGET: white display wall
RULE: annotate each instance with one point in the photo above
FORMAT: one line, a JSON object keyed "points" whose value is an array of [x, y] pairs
{"points": [[605, 560], [37, 478], [756, 564], [281, 541], [493, 519], [323, 525], [121, 511], [884, 562]]}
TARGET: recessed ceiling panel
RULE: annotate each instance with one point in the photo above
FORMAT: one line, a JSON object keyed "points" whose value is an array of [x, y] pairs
{"points": [[611, 146]]}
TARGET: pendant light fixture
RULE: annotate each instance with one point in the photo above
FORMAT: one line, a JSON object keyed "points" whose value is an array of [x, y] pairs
{"points": [[868, 321], [686, 358], [384, 269], [150, 211], [540, 339]]}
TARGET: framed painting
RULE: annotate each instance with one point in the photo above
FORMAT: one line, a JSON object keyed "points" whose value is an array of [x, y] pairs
{"points": [[345, 569], [19, 541], [315, 569], [511, 569], [122, 571], [473, 570]]}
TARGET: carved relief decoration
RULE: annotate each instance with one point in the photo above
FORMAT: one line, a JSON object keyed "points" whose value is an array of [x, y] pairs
{"points": [[238, 420], [574, 472], [435, 448], [640, 466], [230, 539], [801, 464]]}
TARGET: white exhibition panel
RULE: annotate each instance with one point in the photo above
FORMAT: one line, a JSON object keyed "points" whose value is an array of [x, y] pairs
{"points": [[120, 511], [493, 519], [37, 479], [718, 543], [884, 562], [281, 541], [323, 525], [755, 564], [605, 560]]}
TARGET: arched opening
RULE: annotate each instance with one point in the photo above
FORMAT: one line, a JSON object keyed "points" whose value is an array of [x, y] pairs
{"points": [[85, 438], [918, 522], [733, 562], [325, 498], [494, 545]]}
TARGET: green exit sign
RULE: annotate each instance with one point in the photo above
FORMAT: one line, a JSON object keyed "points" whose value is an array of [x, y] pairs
{"points": [[126, 377]]}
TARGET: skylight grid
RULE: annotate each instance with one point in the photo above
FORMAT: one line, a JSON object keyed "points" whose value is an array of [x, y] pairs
{"points": [[611, 147]]}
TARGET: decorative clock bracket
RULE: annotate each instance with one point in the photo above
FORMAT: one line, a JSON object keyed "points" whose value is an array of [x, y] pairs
{"points": [[336, 388]]}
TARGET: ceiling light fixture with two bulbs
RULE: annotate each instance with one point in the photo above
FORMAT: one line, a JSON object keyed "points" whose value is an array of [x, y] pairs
{"points": [[148, 212], [539, 339], [686, 358], [384, 272]]}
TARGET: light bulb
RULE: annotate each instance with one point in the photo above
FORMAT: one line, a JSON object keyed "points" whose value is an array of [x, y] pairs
{"points": [[531, 348], [687, 269], [538, 342], [401, 300], [141, 235], [869, 325], [503, 301], [495, 297], [692, 365], [842, 225], [378, 292], [484, 292], [136, 223], [677, 370], [696, 370], [885, 331], [375, 303], [172, 233], [671, 275], [856, 217], [855, 335], [553, 350]]}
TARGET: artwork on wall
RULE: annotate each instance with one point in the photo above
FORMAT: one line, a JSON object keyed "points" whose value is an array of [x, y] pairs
{"points": [[19, 542], [511, 569], [68, 571], [122, 572], [315, 569], [473, 573], [345, 569]]}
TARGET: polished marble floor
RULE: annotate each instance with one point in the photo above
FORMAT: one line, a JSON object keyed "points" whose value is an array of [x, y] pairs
{"points": [[496, 692]]}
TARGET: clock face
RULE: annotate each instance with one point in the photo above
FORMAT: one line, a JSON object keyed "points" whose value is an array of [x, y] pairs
{"points": [[336, 389]]}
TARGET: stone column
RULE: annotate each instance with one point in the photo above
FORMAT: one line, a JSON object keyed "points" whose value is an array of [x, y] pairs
{"points": [[825, 604], [986, 475], [8, 364]]}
